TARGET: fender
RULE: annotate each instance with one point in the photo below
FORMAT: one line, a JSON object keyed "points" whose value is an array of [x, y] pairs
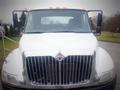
{"points": [[104, 62], [13, 64]]}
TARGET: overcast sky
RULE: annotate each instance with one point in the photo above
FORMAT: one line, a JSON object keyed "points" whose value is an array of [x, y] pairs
{"points": [[110, 7]]}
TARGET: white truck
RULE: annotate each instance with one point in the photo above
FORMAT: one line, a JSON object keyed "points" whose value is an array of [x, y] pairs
{"points": [[59, 51]]}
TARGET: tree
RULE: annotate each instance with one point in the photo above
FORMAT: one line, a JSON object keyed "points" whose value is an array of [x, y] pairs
{"points": [[6, 30], [113, 24], [12, 31], [0, 22]]}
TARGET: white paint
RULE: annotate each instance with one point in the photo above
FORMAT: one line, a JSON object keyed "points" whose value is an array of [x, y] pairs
{"points": [[104, 61], [13, 65], [53, 43]]}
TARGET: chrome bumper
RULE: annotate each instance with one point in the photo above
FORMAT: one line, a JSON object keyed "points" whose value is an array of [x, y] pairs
{"points": [[107, 86]]}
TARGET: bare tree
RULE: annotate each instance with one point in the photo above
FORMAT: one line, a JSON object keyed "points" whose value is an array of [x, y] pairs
{"points": [[113, 24]]}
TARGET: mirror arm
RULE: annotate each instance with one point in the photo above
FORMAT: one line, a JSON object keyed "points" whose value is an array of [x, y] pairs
{"points": [[95, 11]]}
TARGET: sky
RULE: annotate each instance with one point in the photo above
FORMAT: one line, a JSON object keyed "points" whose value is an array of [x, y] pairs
{"points": [[109, 7]]}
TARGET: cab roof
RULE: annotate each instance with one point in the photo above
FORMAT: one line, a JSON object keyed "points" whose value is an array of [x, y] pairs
{"points": [[57, 9]]}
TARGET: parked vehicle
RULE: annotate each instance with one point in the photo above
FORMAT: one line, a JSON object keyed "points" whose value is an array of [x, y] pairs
{"points": [[59, 51]]}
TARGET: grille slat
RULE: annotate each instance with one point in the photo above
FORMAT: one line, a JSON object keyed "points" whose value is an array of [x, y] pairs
{"points": [[39, 69], [36, 70], [76, 69], [83, 68], [43, 71], [69, 69], [46, 73], [32, 68], [90, 66], [52, 72], [55, 72], [73, 69], [46, 70], [28, 68], [86, 67], [79, 69]]}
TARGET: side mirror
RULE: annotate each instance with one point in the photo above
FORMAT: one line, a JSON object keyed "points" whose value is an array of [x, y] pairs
{"points": [[19, 20], [99, 23], [96, 21]]}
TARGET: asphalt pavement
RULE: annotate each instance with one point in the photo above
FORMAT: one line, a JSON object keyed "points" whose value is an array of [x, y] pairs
{"points": [[114, 50]]}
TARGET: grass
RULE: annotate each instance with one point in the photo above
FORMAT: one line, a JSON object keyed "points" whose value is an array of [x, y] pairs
{"points": [[109, 37], [8, 44]]}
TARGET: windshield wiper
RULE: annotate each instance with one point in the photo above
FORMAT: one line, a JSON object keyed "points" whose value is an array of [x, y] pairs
{"points": [[55, 32], [33, 32], [66, 31]]}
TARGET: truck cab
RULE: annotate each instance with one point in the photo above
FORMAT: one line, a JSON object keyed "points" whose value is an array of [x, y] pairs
{"points": [[58, 50]]}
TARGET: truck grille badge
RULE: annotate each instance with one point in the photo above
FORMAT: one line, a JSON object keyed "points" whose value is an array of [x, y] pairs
{"points": [[59, 56]]}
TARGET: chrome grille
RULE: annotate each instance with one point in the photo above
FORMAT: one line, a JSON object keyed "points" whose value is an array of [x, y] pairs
{"points": [[46, 70]]}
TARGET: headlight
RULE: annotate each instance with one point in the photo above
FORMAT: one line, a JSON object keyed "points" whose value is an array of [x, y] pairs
{"points": [[106, 76], [11, 79]]}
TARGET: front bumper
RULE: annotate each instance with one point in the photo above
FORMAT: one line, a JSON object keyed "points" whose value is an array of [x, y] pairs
{"points": [[107, 86]]}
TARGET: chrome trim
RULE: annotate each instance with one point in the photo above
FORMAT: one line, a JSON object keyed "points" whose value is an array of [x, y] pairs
{"points": [[54, 68]]}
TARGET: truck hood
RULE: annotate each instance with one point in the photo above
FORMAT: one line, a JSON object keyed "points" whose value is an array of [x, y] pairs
{"points": [[54, 43]]}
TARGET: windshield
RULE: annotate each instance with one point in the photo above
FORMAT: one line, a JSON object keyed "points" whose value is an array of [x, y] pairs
{"points": [[48, 21]]}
